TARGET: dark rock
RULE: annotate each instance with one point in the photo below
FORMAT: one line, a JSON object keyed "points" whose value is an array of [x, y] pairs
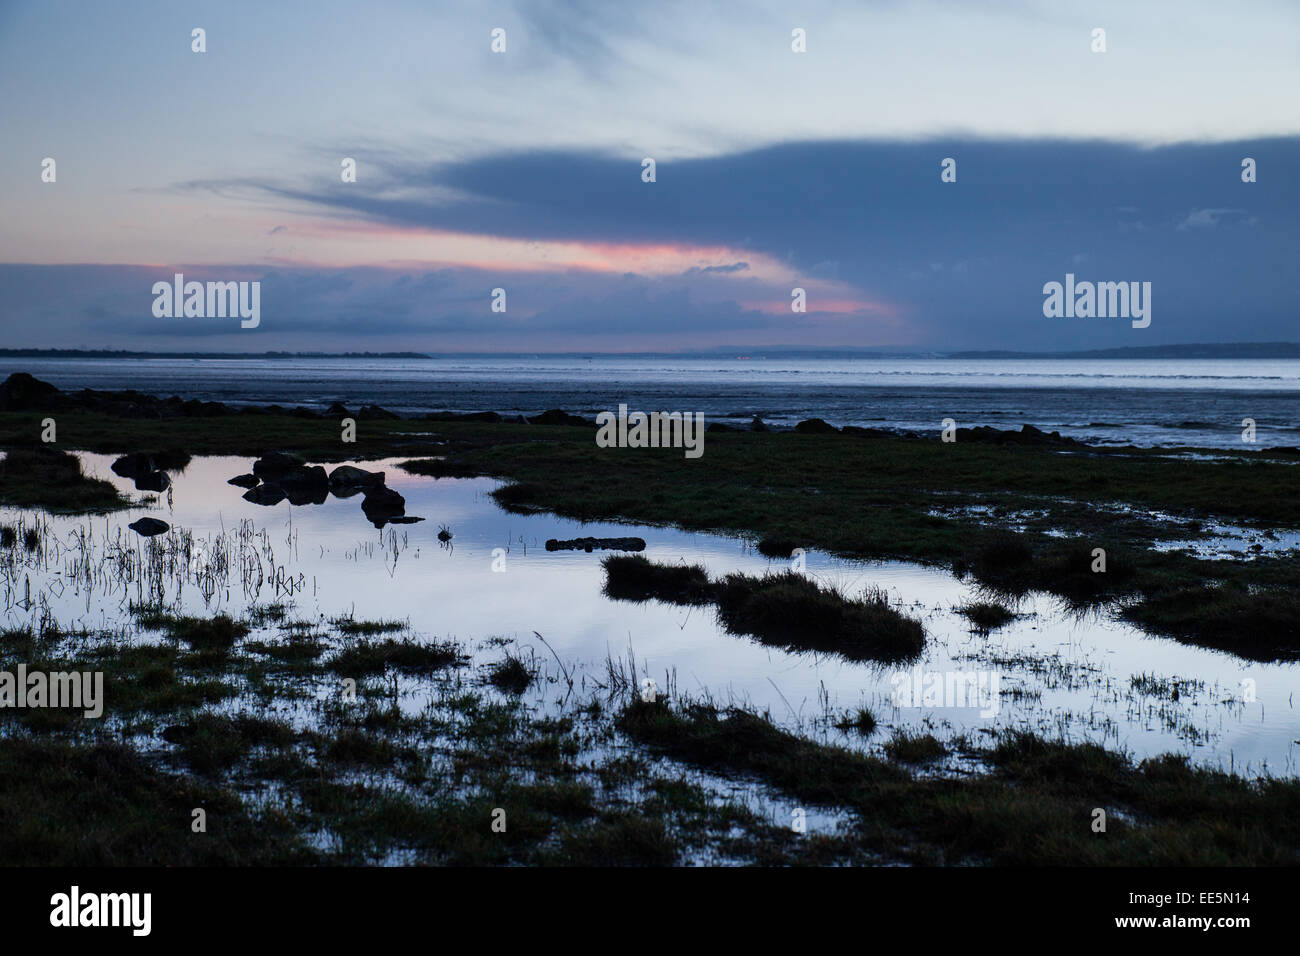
{"points": [[305, 486], [153, 481], [265, 495], [596, 544], [133, 466], [312, 476], [312, 495], [347, 480], [758, 425], [273, 466], [148, 527], [244, 481], [866, 432], [815, 426], [1028, 435], [557, 417], [382, 504], [338, 410], [375, 413], [21, 392]]}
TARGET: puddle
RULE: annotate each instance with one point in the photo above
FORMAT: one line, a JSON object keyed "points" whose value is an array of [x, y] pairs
{"points": [[1087, 678]]}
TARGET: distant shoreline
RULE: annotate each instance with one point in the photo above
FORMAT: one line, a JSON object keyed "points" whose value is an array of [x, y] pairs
{"points": [[1230, 350]]}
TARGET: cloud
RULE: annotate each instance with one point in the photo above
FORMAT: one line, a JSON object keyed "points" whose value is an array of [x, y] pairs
{"points": [[1206, 218]]}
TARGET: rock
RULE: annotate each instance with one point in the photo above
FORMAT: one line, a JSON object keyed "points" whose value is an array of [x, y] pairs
{"points": [[758, 425], [596, 544], [148, 527], [557, 417], [375, 413], [306, 476], [305, 485], [153, 481], [815, 426], [265, 495], [347, 480], [133, 466], [1028, 435], [271, 467], [338, 410], [382, 504], [21, 392], [244, 481], [309, 495]]}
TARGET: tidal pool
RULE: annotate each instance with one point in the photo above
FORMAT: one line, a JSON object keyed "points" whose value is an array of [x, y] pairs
{"points": [[1051, 671]]}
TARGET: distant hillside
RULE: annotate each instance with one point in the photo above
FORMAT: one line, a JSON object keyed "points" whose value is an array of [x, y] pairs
{"points": [[118, 353], [1243, 350]]}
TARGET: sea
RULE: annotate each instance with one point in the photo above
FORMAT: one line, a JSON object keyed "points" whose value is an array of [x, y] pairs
{"points": [[1116, 402]]}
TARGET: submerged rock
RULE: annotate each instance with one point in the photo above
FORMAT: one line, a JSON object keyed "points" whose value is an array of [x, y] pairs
{"points": [[133, 465], [271, 467], [347, 480], [153, 481], [382, 505], [596, 544], [265, 495], [245, 481], [148, 527]]}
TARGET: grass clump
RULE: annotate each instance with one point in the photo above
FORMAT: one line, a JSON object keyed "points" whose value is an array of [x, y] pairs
{"points": [[776, 546], [511, 675], [213, 635], [1255, 623], [907, 747], [407, 657], [635, 578], [987, 616], [43, 477], [352, 627], [795, 612], [861, 720]]}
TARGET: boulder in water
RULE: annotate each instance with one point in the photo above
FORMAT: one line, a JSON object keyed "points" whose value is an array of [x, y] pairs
{"points": [[148, 527]]}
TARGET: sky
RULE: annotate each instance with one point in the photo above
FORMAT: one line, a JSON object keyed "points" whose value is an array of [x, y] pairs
{"points": [[523, 170]]}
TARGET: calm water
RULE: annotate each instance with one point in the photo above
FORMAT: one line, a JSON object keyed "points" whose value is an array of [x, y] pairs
{"points": [[1141, 402], [1056, 674]]}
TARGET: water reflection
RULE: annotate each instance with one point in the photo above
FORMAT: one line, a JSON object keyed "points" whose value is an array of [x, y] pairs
{"points": [[474, 572]]}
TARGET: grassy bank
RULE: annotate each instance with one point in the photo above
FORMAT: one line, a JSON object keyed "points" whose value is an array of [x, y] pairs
{"points": [[437, 760]]}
